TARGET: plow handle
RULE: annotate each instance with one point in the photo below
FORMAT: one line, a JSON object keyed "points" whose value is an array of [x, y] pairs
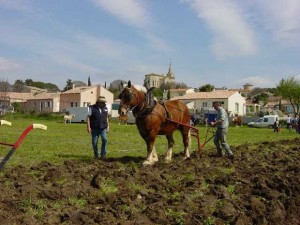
{"points": [[19, 141], [5, 122], [39, 126]]}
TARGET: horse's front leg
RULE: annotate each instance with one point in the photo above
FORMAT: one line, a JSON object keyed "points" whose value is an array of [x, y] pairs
{"points": [[151, 152], [170, 147]]}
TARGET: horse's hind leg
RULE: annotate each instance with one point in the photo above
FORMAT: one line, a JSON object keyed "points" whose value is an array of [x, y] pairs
{"points": [[170, 147], [186, 138]]}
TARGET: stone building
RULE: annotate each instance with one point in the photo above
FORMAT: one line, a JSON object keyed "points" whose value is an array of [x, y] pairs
{"points": [[156, 80]]}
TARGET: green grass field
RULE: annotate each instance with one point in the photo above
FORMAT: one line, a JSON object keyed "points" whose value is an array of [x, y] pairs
{"points": [[62, 142]]}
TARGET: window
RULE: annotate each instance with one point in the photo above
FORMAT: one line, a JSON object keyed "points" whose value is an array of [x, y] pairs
{"points": [[236, 107], [86, 104], [48, 104], [73, 104], [204, 104]]}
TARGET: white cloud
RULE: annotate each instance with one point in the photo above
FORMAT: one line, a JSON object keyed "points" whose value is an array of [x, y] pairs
{"points": [[17, 5], [133, 12], [259, 81], [232, 34], [282, 18], [104, 47], [136, 13], [8, 65]]}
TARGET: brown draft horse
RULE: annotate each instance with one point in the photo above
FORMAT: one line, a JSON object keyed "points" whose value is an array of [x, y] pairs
{"points": [[151, 123]]}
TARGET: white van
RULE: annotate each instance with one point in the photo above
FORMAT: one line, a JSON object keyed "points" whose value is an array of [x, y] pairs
{"points": [[131, 118], [266, 121], [81, 113]]}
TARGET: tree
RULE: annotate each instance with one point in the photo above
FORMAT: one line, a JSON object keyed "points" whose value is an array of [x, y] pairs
{"points": [[5, 86], [19, 86], [169, 94], [69, 85], [262, 97], [207, 88], [180, 85], [157, 92], [289, 89], [116, 87], [89, 81]]}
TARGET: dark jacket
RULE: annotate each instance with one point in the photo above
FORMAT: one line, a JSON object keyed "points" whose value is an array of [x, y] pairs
{"points": [[98, 118]]}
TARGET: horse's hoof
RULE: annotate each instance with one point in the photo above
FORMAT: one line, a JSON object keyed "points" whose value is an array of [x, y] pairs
{"points": [[168, 160], [147, 163], [155, 159]]}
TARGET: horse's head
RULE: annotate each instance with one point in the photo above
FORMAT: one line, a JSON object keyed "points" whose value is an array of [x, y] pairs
{"points": [[130, 97]]}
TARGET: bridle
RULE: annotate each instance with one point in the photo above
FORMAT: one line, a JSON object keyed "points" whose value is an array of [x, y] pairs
{"points": [[129, 98]]}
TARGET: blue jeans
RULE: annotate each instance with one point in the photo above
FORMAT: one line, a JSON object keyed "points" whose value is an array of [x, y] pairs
{"points": [[95, 137]]}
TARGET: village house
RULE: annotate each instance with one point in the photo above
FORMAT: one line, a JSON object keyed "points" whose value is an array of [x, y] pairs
{"points": [[177, 92], [84, 96], [42, 103], [201, 102], [7, 100]]}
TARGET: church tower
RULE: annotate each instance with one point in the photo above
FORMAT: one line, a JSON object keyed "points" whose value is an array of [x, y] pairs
{"points": [[170, 72]]}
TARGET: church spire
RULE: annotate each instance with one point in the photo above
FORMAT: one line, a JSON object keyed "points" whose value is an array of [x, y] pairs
{"points": [[170, 72]]}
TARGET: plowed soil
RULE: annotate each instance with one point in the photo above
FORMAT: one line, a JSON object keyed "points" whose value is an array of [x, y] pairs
{"points": [[260, 186]]}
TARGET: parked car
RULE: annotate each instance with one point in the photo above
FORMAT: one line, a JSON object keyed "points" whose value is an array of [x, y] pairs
{"points": [[266, 121]]}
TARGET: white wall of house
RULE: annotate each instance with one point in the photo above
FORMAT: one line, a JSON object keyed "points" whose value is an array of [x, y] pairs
{"points": [[87, 97], [236, 104], [42, 105]]}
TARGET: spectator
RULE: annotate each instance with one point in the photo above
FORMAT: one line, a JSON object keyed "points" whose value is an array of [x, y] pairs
{"points": [[276, 125], [98, 125], [289, 123]]}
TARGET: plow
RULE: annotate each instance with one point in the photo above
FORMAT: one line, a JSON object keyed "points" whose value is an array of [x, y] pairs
{"points": [[18, 142], [195, 133]]}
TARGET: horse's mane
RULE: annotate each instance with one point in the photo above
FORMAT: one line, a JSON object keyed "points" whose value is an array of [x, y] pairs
{"points": [[137, 87]]}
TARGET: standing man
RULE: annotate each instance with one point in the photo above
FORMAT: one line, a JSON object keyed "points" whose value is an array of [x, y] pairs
{"points": [[289, 123], [221, 124], [98, 125]]}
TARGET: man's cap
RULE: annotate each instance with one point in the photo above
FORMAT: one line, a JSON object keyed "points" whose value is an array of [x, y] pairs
{"points": [[101, 99]]}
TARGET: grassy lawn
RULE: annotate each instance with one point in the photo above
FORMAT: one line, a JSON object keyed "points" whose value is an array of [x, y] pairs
{"points": [[71, 141]]}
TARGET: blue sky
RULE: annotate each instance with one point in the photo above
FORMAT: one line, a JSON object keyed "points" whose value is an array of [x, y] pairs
{"points": [[225, 43]]}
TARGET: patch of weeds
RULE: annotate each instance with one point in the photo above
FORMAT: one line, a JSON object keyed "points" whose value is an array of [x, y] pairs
{"points": [[209, 221], [219, 203], [60, 205], [33, 208], [172, 182], [137, 187], [36, 174], [77, 202], [189, 177], [197, 194], [230, 188], [126, 209], [175, 197], [61, 181], [8, 184], [204, 186], [108, 186], [229, 170], [178, 217]]}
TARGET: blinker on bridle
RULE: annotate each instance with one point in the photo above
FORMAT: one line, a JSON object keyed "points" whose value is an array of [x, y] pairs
{"points": [[128, 98]]}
